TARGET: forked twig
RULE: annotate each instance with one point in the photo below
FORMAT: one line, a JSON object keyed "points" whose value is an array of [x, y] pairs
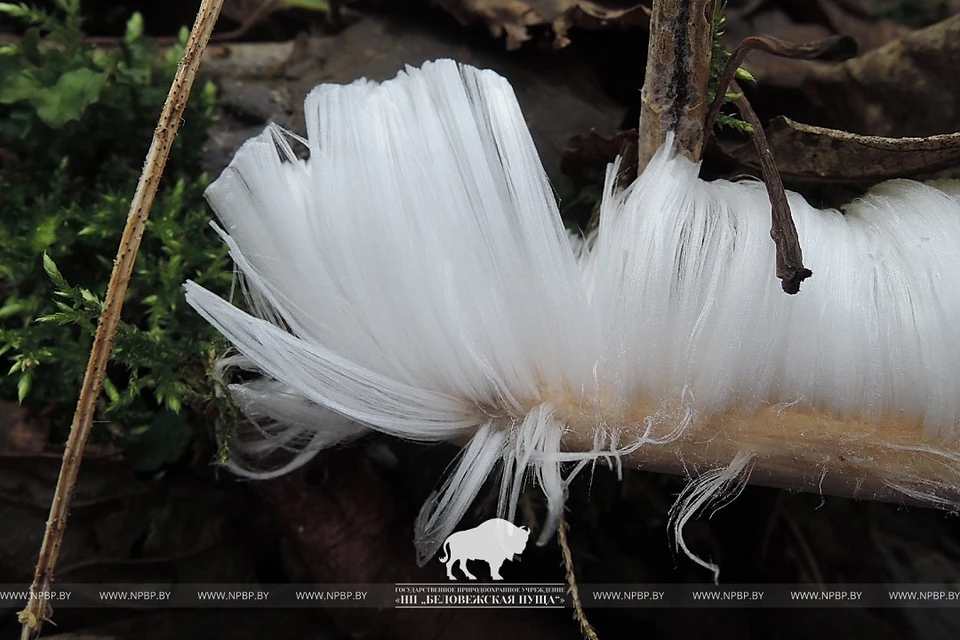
{"points": [[38, 610], [833, 48], [790, 267]]}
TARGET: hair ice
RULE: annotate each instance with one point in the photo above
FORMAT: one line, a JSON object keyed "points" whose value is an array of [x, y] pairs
{"points": [[413, 276]]}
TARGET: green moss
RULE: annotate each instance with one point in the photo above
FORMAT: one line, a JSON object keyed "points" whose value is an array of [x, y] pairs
{"points": [[718, 60], [75, 125]]}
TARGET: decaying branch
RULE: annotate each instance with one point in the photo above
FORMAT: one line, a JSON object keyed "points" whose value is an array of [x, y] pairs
{"points": [[797, 449], [817, 154], [908, 87], [37, 609], [674, 96]]}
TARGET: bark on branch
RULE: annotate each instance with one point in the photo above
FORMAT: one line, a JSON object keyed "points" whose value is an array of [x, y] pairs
{"points": [[674, 96]]}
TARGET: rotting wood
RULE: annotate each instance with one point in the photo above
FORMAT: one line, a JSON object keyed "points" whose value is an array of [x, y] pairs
{"points": [[674, 95]]}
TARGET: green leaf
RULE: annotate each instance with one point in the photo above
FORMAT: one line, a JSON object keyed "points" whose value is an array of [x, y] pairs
{"points": [[174, 404], [70, 7], [313, 5], [746, 76], [19, 86], [53, 272], [111, 390], [134, 29], [56, 318], [724, 120], [13, 307], [69, 98], [19, 11], [88, 297], [46, 233], [23, 386]]}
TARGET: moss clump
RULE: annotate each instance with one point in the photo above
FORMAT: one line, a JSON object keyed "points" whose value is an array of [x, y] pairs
{"points": [[75, 124]]}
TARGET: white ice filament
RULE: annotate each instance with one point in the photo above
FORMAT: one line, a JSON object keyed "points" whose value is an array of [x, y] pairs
{"points": [[413, 276]]}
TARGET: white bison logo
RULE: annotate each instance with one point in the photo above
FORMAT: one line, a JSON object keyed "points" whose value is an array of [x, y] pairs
{"points": [[495, 541]]}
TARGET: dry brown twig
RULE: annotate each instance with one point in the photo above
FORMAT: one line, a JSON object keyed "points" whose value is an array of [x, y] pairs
{"points": [[38, 610], [585, 627], [789, 255]]}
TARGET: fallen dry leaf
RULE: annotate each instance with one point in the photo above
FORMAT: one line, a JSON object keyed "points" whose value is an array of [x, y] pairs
{"points": [[513, 18], [908, 87], [869, 31]]}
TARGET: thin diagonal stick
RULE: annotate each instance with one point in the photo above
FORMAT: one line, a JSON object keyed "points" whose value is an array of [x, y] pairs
{"points": [[586, 629], [37, 609]]}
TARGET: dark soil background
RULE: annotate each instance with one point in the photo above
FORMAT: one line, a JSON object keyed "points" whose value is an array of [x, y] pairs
{"points": [[348, 517]]}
